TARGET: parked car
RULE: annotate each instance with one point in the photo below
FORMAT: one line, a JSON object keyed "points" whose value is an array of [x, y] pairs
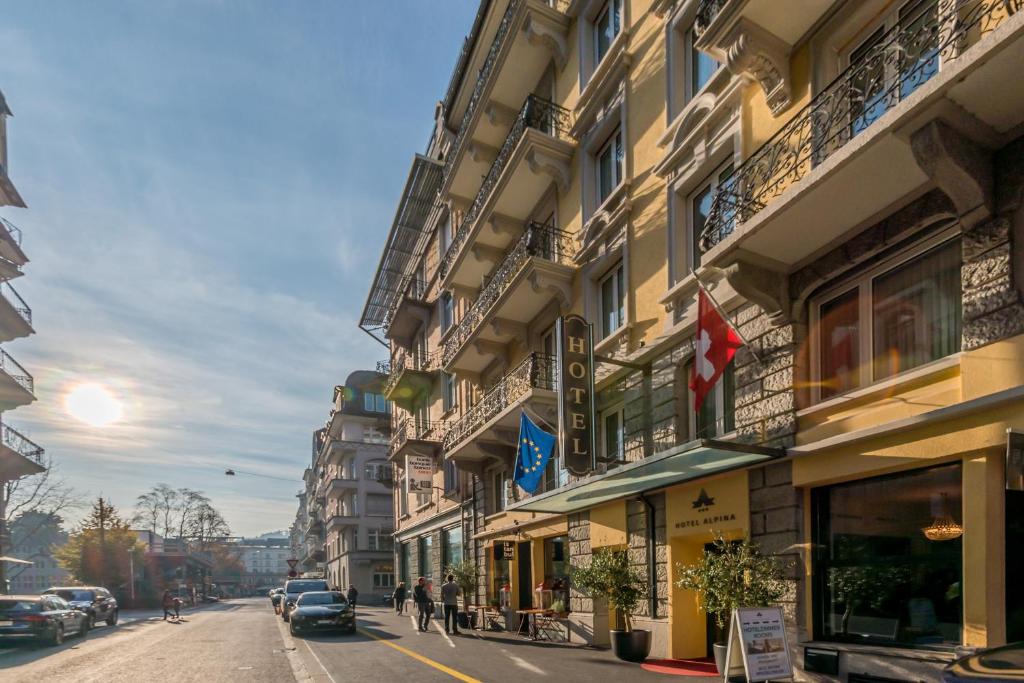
{"points": [[293, 588], [275, 596], [46, 618], [995, 665], [94, 601], [322, 611]]}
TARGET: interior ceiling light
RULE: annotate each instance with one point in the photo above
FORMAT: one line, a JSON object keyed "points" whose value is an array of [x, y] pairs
{"points": [[943, 527]]}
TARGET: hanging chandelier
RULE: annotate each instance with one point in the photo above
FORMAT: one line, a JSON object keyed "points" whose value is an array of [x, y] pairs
{"points": [[943, 527]]}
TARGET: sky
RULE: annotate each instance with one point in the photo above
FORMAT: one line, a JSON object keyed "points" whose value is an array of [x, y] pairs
{"points": [[210, 183]]}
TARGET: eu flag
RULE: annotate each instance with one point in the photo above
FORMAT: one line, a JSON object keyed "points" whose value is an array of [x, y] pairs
{"points": [[535, 446]]}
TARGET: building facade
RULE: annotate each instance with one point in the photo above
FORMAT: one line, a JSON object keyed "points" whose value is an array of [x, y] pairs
{"points": [[265, 562], [846, 181], [33, 537], [19, 456]]}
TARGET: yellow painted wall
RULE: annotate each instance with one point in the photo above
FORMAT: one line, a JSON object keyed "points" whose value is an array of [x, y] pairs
{"points": [[608, 525]]}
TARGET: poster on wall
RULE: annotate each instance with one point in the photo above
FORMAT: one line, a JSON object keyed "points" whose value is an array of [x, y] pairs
{"points": [[419, 472], [759, 635]]}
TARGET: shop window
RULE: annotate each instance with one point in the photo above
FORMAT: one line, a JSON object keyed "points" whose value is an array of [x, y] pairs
{"points": [[877, 576], [613, 433], [896, 317], [607, 26], [405, 556], [612, 293], [426, 560], [501, 576], [717, 412], [609, 166], [452, 547], [556, 570]]}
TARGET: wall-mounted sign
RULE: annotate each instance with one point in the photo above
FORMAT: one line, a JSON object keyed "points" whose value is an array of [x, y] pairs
{"points": [[504, 550], [419, 473], [576, 394], [709, 507], [759, 635]]}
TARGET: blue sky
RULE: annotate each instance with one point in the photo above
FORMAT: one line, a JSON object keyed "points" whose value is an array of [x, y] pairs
{"points": [[209, 187]]}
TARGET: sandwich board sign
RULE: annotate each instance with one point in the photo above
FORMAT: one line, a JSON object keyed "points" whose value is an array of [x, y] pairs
{"points": [[758, 636]]}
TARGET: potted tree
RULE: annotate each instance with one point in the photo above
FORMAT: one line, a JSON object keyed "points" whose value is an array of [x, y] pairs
{"points": [[466, 576], [610, 577], [728, 576]]}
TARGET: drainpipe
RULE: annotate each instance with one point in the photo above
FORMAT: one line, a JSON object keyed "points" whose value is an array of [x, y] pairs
{"points": [[651, 555]]}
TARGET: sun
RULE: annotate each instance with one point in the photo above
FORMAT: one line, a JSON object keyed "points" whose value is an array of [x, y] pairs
{"points": [[93, 404]]}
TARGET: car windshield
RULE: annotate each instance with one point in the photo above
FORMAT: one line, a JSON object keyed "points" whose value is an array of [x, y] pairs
{"points": [[305, 586], [20, 606], [322, 599], [74, 595]]}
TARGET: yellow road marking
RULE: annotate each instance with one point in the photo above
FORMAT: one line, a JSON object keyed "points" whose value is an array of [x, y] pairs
{"points": [[426, 660]]}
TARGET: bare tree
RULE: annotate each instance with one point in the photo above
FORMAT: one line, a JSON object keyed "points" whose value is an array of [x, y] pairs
{"points": [[207, 525], [147, 510], [189, 502], [167, 501]]}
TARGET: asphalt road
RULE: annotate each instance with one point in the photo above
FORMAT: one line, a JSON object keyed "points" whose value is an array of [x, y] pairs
{"points": [[243, 640]]}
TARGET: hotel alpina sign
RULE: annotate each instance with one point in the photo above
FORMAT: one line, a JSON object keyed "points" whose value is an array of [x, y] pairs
{"points": [[711, 506], [576, 394]]}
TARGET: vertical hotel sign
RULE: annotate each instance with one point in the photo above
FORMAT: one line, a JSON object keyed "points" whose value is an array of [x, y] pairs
{"points": [[576, 426]]}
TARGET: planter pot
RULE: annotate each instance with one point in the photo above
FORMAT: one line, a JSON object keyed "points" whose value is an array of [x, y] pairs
{"points": [[721, 650], [631, 646], [463, 619]]}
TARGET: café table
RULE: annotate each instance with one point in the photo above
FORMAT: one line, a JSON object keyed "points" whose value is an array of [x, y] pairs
{"points": [[530, 621]]}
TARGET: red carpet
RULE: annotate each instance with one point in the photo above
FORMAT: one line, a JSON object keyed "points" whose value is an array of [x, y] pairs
{"points": [[682, 667]]}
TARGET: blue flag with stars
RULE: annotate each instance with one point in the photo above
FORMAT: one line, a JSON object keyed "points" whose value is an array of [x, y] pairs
{"points": [[535, 447]]}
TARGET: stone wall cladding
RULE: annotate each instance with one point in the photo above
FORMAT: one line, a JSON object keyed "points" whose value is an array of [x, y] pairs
{"points": [[765, 408], [637, 539], [579, 555], [479, 548]]}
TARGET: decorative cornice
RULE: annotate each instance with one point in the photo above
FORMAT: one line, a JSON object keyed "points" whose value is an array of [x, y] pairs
{"points": [[753, 51]]}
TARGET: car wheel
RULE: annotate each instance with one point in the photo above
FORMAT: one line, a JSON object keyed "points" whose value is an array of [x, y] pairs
{"points": [[292, 630], [58, 635], [87, 623], [112, 619]]}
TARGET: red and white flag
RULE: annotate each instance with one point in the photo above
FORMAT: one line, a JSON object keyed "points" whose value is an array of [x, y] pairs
{"points": [[714, 346]]}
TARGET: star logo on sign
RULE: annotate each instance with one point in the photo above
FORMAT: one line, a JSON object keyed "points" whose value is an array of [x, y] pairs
{"points": [[705, 368]]}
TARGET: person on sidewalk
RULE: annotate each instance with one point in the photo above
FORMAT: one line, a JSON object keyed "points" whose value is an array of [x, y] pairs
{"points": [[177, 608], [423, 602], [450, 600], [352, 595], [168, 604], [398, 597]]}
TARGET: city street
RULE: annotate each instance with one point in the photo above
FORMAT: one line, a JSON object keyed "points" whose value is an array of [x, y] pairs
{"points": [[244, 641]]}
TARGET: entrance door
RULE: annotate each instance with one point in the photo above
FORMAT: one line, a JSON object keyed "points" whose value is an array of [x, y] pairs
{"points": [[1014, 566], [525, 575]]}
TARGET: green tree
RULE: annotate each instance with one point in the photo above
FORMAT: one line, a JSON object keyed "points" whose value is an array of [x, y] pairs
{"points": [[98, 553], [609, 576]]}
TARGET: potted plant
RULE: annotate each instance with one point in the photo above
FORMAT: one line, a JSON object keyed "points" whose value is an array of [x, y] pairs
{"points": [[466, 576], [610, 577], [729, 576]]}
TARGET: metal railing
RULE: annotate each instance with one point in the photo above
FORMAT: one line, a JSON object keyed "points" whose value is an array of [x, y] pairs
{"points": [[537, 371], [930, 34], [536, 113], [412, 288], [14, 370], [418, 430], [12, 230], [706, 13], [21, 444], [17, 303], [410, 360], [538, 240]]}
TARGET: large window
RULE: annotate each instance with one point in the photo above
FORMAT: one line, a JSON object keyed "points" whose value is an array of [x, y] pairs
{"points": [[700, 210], [613, 433], [405, 556], [448, 402], [447, 311], [451, 540], [556, 569], [896, 317], [701, 65], [612, 292], [877, 576], [609, 166], [606, 27], [451, 476], [426, 559], [379, 539]]}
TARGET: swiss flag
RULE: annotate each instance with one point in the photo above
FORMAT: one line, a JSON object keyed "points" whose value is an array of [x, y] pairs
{"points": [[714, 346]]}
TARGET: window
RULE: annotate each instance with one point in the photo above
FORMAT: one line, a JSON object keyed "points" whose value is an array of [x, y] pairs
{"points": [[612, 288], [405, 556], [368, 402], [609, 166], [702, 67], [381, 404], [700, 203], [893, 318], [717, 412], [606, 27], [379, 539], [378, 504], [426, 566], [448, 402], [444, 238], [383, 579], [375, 403], [613, 433], [373, 435], [876, 576], [499, 491], [556, 569], [451, 540], [451, 476], [447, 311], [375, 471]]}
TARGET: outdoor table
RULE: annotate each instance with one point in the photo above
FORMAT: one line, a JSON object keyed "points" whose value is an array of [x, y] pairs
{"points": [[530, 621]]}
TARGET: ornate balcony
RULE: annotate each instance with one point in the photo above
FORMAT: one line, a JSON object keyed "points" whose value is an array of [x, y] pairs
{"points": [[536, 153], [539, 267], [411, 311], [12, 258], [15, 315], [809, 176], [410, 376], [19, 456], [416, 436], [489, 428], [17, 388], [530, 34]]}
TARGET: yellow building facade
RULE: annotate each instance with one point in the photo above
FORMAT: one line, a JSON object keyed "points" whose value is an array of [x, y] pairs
{"points": [[845, 179]]}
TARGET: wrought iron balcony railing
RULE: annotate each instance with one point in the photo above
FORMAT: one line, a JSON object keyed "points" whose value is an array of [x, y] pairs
{"points": [[538, 240], [21, 444], [537, 371], [16, 302], [14, 370], [706, 13], [412, 288], [12, 230], [895, 63], [409, 360], [536, 113], [418, 430]]}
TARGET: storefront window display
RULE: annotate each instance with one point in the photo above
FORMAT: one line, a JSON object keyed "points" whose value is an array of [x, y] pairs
{"points": [[426, 566], [452, 548], [556, 572], [501, 577], [877, 576]]}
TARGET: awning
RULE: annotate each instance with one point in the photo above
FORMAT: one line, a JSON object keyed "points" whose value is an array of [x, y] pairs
{"points": [[678, 465]]}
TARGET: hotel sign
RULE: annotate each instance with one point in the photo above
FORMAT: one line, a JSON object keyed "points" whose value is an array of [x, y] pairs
{"points": [[576, 420], [711, 506]]}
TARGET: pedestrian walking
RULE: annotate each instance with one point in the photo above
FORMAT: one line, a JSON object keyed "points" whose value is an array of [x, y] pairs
{"points": [[423, 603], [398, 597], [352, 595], [168, 604], [450, 601], [177, 608]]}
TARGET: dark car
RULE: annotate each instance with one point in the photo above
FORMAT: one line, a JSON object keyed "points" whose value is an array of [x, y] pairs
{"points": [[322, 611], [96, 602], [275, 596], [293, 588], [40, 617], [994, 665]]}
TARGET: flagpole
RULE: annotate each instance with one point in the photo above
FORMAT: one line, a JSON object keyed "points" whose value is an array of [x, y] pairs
{"points": [[735, 327]]}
